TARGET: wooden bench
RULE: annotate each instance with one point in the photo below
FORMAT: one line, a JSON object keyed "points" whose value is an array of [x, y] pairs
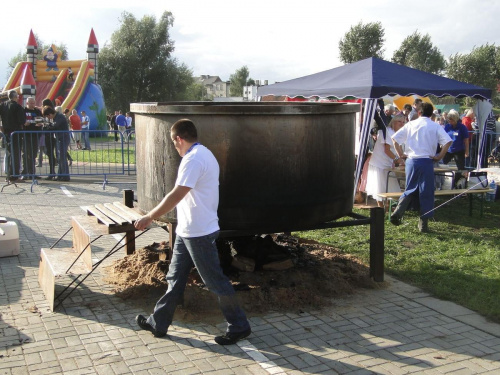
{"points": [[60, 265], [393, 197]]}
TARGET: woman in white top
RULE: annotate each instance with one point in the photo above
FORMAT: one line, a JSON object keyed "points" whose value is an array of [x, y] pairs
{"points": [[383, 158]]}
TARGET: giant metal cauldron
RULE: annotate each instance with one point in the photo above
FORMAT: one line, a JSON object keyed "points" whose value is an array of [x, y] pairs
{"points": [[283, 165]]}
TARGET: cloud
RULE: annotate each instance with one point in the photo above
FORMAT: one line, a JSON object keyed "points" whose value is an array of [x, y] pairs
{"points": [[277, 40]]}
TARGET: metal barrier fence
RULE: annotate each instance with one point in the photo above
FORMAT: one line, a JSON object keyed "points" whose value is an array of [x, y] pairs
{"points": [[491, 154], [58, 155]]}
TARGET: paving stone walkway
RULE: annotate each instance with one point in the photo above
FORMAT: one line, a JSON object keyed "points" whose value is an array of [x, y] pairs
{"points": [[394, 330]]}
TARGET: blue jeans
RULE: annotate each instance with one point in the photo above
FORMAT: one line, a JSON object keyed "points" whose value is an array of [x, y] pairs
{"points": [[200, 252], [86, 138]]}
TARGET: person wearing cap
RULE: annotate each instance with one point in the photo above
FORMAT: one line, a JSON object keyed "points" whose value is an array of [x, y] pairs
{"points": [[58, 101]]}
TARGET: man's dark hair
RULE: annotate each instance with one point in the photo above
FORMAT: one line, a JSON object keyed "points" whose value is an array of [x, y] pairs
{"points": [[407, 107], [426, 109], [185, 129], [48, 101], [12, 94], [417, 101], [48, 110]]}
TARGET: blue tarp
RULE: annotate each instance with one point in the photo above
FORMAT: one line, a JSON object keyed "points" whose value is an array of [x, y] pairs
{"points": [[373, 78]]}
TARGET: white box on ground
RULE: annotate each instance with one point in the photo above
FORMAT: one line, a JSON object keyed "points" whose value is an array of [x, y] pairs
{"points": [[9, 239]]}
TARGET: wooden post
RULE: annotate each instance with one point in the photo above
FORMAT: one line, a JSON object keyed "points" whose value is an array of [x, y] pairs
{"points": [[171, 238], [377, 243], [128, 200]]}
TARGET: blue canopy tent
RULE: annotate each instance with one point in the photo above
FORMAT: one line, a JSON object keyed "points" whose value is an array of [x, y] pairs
{"points": [[372, 79]]}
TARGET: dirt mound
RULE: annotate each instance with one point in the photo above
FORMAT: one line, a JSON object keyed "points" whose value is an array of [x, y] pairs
{"points": [[320, 272]]}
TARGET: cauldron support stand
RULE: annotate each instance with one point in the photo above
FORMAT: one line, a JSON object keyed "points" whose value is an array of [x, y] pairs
{"points": [[376, 222]]}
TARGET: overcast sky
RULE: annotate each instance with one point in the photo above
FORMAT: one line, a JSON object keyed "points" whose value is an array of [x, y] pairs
{"points": [[277, 40]]}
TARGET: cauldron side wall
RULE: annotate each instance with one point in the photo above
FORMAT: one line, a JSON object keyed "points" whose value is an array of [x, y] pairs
{"points": [[278, 172]]}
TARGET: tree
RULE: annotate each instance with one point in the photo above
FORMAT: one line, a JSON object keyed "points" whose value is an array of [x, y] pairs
{"points": [[238, 80], [480, 67], [195, 91], [362, 42], [137, 65], [21, 55], [417, 52]]}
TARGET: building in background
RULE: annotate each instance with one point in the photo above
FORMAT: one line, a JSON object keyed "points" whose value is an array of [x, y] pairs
{"points": [[250, 92], [214, 87]]}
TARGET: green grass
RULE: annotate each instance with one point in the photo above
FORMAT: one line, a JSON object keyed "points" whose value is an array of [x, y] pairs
{"points": [[105, 155], [458, 261]]}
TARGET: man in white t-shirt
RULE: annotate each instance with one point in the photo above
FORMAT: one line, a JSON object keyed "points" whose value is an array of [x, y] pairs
{"points": [[85, 122], [196, 196]]}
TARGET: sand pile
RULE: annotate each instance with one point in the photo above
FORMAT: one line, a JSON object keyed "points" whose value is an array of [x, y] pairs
{"points": [[319, 273]]}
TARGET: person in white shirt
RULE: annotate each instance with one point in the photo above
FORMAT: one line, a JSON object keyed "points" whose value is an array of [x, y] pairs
{"points": [[414, 109], [196, 197], [384, 157], [85, 131], [421, 137]]}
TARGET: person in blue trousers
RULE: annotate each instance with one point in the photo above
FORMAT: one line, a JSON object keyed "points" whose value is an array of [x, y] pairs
{"points": [[420, 137], [196, 197]]}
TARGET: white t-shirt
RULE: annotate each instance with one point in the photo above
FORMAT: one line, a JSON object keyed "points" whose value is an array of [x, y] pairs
{"points": [[379, 158], [85, 118], [421, 137], [197, 211]]}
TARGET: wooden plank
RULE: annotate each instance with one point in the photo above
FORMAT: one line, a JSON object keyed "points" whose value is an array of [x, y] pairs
{"points": [[111, 214], [93, 228], [438, 192], [460, 191], [119, 212], [81, 241], [46, 279], [52, 270], [136, 215], [103, 219]]}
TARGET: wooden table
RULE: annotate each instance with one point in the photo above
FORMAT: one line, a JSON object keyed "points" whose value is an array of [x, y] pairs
{"points": [[393, 197], [440, 171]]}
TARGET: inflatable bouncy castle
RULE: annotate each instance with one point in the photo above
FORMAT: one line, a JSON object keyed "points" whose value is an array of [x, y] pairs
{"points": [[72, 84]]}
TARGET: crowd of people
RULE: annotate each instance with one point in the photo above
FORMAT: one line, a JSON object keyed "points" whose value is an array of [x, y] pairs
{"points": [[53, 130], [120, 123], [418, 138]]}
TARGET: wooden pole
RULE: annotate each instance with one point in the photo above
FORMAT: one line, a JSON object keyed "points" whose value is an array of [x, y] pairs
{"points": [[128, 200], [377, 243]]}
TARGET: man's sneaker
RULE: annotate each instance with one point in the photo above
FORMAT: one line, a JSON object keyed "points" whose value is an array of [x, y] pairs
{"points": [[230, 338], [142, 322]]}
